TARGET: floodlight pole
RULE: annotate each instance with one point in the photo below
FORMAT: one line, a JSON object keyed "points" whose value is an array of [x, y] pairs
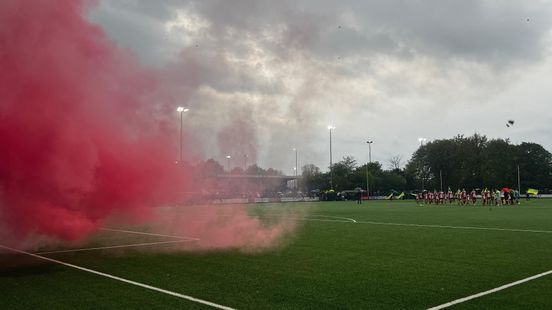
{"points": [[228, 162], [519, 180], [180, 161], [369, 162], [296, 168], [182, 110], [422, 140], [441, 178], [331, 162]]}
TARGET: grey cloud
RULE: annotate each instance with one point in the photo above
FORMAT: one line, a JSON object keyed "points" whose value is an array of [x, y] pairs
{"points": [[488, 31], [136, 26], [370, 66]]}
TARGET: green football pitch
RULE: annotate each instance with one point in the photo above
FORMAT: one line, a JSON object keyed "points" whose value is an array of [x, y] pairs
{"points": [[378, 255]]}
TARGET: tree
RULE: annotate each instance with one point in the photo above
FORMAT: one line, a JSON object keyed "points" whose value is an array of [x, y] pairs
{"points": [[255, 170], [209, 168], [390, 180], [395, 162], [271, 171], [343, 176], [237, 171], [535, 165], [476, 162], [312, 178], [309, 170], [462, 162], [498, 164]]}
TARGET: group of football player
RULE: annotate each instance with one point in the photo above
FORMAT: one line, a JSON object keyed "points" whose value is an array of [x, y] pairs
{"points": [[488, 197]]}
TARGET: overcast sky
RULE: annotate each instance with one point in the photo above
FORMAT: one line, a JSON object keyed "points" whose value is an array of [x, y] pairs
{"points": [[262, 77]]}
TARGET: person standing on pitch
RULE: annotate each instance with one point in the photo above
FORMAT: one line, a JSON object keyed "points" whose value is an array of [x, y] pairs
{"points": [[464, 197], [359, 196], [473, 196]]}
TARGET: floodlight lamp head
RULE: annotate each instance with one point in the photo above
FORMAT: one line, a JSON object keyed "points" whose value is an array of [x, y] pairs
{"points": [[180, 109], [369, 141], [228, 156], [330, 127]]}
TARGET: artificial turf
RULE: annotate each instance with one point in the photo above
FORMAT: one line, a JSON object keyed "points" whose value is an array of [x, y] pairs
{"points": [[328, 262]]}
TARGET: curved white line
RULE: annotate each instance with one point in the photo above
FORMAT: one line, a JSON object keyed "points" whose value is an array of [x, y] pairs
{"points": [[335, 217]]}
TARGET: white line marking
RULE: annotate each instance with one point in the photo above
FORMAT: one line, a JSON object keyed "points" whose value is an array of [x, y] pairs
{"points": [[461, 300], [148, 234], [348, 220], [331, 218], [149, 287], [324, 220], [113, 247], [458, 227], [335, 217]]}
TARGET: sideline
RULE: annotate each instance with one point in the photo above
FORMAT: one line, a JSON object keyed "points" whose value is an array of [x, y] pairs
{"points": [[500, 288], [149, 287]]}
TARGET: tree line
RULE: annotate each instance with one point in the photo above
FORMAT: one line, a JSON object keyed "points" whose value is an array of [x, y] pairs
{"points": [[461, 162]]}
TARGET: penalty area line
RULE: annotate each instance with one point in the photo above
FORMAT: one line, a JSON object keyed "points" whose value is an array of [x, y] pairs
{"points": [[149, 287], [148, 234], [114, 247], [494, 290]]}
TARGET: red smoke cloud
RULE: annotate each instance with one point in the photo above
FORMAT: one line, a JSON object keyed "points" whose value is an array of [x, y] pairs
{"points": [[83, 136], [79, 137]]}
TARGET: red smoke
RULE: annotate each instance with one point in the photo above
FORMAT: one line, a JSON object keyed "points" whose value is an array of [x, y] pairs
{"points": [[84, 135], [79, 137]]}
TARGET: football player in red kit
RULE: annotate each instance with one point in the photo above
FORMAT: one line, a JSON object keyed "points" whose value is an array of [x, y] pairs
{"points": [[473, 196]]}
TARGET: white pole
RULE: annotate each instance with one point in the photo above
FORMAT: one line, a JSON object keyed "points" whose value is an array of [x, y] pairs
{"points": [[181, 110], [369, 162], [296, 168], [421, 145], [228, 162], [331, 164], [180, 161], [519, 181]]}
